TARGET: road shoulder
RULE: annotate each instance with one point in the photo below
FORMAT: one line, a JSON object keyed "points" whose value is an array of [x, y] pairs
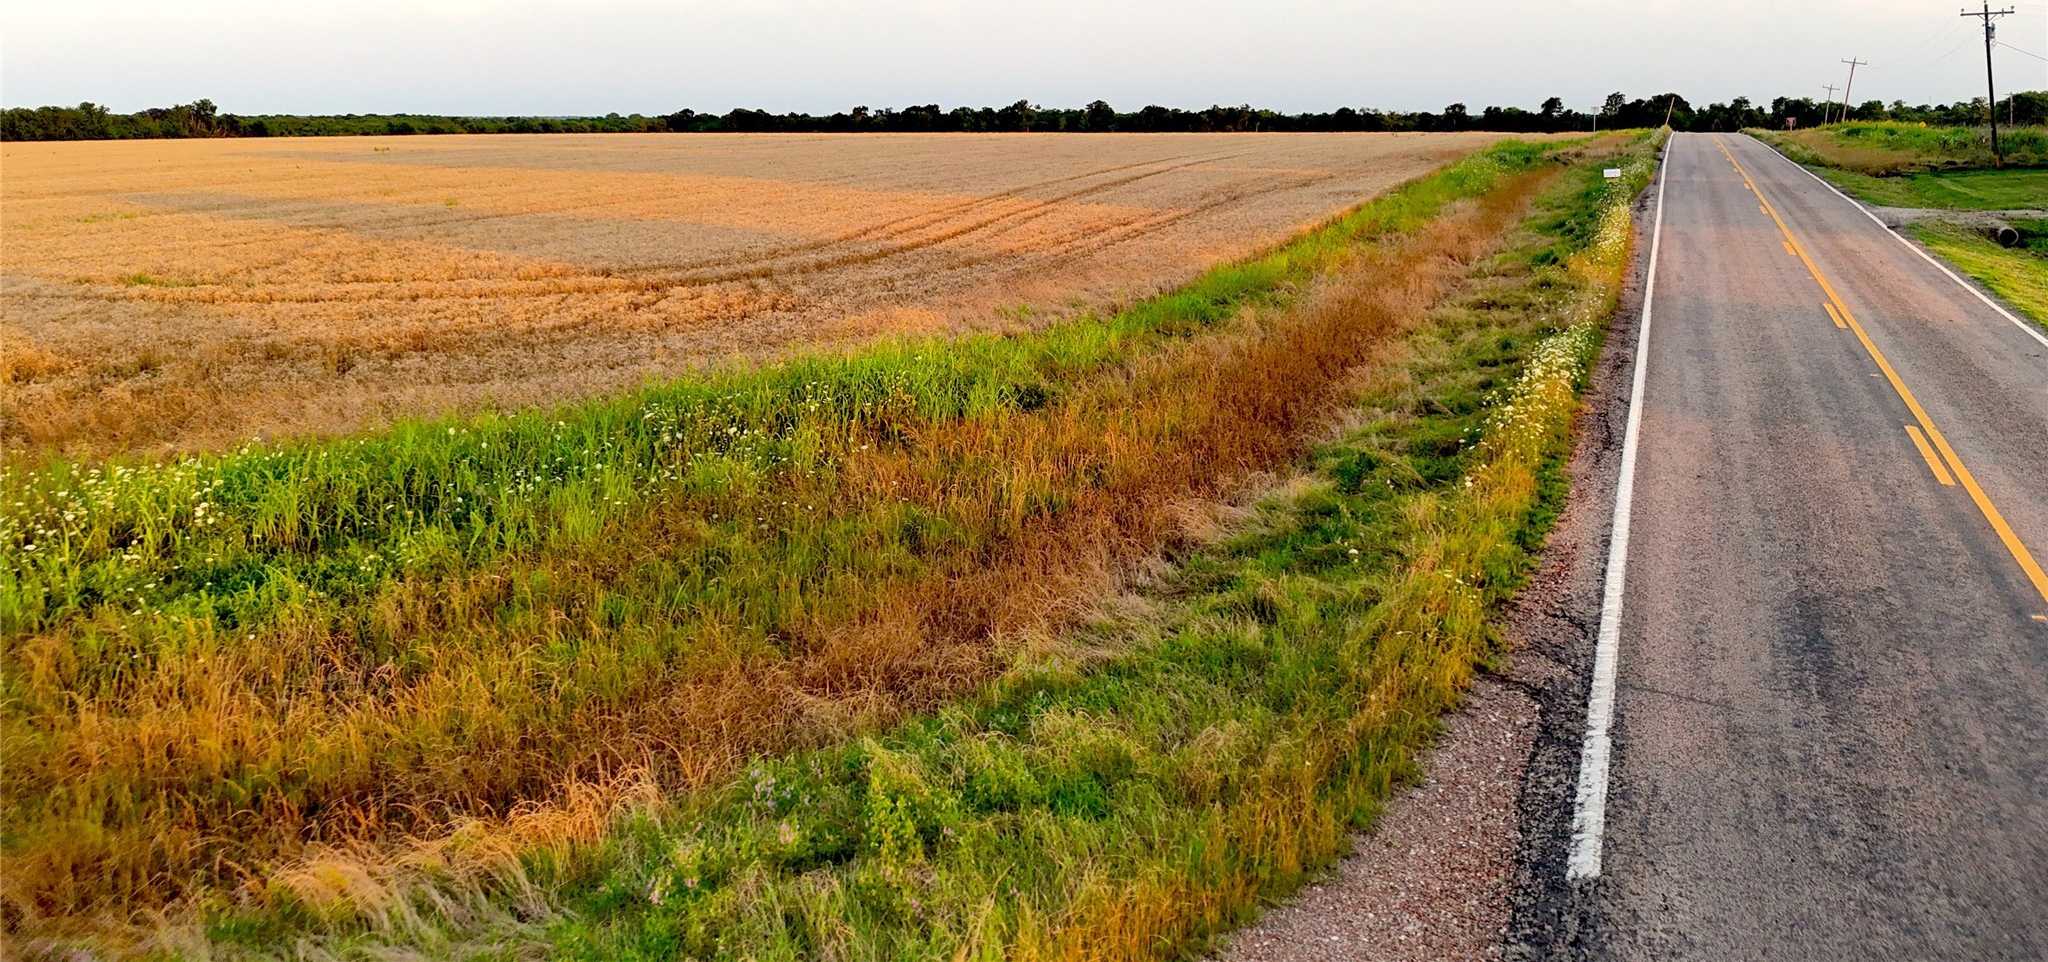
{"points": [[1432, 880], [1552, 624], [1469, 864]]}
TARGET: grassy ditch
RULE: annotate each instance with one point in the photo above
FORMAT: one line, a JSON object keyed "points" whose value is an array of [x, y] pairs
{"points": [[243, 678], [2019, 275], [1142, 784], [2007, 189]]}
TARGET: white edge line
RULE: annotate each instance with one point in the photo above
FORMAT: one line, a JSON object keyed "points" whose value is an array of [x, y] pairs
{"points": [[1589, 813], [2030, 329]]}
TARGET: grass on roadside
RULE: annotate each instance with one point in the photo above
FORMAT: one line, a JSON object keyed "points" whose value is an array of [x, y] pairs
{"points": [[2018, 275], [1888, 148], [1138, 788], [1909, 165], [2008, 189]]}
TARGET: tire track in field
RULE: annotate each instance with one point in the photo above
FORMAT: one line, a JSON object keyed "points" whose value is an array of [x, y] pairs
{"points": [[1072, 246], [1103, 236], [1274, 184], [911, 223], [557, 283], [1004, 220], [623, 280], [1065, 248], [1060, 250], [1076, 244], [1094, 239], [404, 217]]}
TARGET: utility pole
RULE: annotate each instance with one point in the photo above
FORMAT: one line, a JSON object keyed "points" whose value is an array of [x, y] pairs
{"points": [[1991, 90], [1830, 108], [1853, 64]]}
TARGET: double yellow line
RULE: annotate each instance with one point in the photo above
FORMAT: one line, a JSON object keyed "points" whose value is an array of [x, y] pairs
{"points": [[1844, 317]]}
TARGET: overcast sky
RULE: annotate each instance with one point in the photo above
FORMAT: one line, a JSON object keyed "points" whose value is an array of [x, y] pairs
{"points": [[553, 57]]}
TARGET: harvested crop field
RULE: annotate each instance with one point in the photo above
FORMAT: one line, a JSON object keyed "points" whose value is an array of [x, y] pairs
{"points": [[189, 294]]}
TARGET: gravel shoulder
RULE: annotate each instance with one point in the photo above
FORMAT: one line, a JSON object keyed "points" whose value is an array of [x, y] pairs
{"points": [[1552, 623], [1432, 882]]}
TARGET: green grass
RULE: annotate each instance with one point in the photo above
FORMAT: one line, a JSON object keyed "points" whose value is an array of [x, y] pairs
{"points": [[2018, 275], [1939, 147], [1889, 149], [2033, 234], [148, 280], [1909, 165], [1144, 786], [2009, 189]]}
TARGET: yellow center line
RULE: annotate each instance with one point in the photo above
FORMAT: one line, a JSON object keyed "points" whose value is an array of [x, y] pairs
{"points": [[1837, 318], [1927, 453], [2004, 531]]}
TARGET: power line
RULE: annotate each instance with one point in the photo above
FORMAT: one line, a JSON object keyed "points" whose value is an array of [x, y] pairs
{"points": [[1921, 52], [2014, 49], [2012, 101], [1967, 35]]}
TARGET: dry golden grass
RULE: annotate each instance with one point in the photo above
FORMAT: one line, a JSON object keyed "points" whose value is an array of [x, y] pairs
{"points": [[189, 294]]}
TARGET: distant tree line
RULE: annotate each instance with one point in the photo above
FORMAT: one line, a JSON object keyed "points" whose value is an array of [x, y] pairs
{"points": [[201, 118], [89, 121], [2025, 108]]}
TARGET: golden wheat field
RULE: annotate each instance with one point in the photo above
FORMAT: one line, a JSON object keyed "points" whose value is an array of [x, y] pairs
{"points": [[160, 295]]}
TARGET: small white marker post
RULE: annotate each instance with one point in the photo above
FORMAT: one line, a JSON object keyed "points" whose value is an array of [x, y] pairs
{"points": [[1611, 173]]}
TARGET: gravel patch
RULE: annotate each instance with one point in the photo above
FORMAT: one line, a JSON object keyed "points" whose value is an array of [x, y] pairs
{"points": [[1431, 880], [1897, 217]]}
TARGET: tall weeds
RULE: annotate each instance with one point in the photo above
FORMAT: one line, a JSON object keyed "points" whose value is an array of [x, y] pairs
{"points": [[1884, 149]]}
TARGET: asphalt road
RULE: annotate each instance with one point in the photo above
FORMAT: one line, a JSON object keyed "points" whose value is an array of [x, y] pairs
{"points": [[1830, 727]]}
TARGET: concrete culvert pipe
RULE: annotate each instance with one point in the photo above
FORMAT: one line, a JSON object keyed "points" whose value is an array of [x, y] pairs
{"points": [[2003, 234]]}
